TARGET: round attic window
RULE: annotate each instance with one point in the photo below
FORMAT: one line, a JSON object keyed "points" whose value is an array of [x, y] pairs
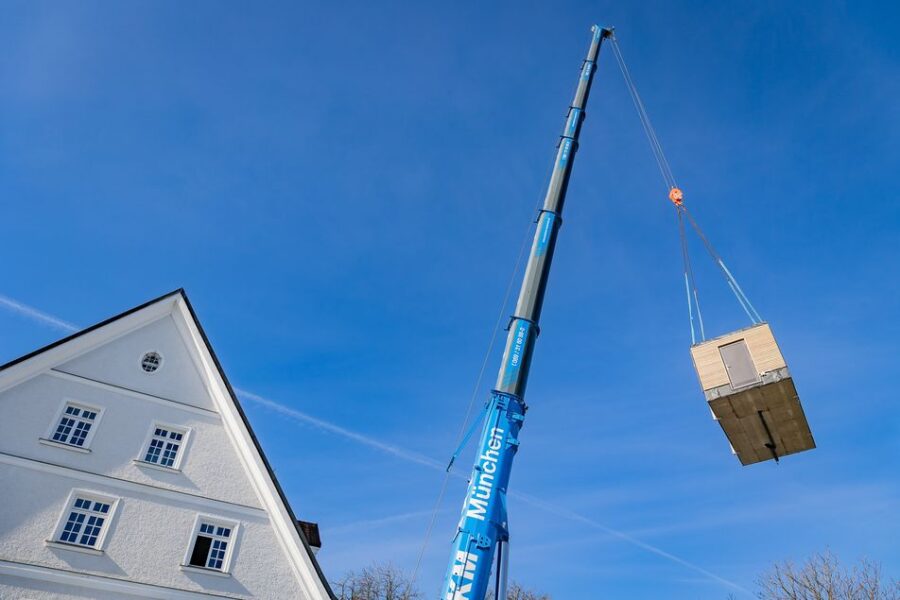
{"points": [[151, 362]]}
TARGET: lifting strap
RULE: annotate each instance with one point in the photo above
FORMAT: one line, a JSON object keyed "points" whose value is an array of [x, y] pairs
{"points": [[682, 214], [690, 285], [732, 282]]}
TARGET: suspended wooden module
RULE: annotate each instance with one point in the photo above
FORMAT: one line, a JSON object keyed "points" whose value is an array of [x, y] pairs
{"points": [[743, 374], [751, 394]]}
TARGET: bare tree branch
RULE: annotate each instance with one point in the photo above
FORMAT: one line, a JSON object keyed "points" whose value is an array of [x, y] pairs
{"points": [[377, 582], [823, 578], [517, 592]]}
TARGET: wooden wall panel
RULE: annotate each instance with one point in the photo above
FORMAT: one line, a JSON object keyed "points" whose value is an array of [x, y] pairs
{"points": [[760, 341]]}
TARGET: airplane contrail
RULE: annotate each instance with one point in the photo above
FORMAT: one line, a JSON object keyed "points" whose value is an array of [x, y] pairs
{"points": [[534, 501], [36, 315], [574, 516], [402, 453], [355, 526], [407, 455]]}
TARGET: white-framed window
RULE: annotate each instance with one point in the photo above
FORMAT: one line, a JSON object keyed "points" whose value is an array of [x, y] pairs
{"points": [[75, 424], [165, 446], [85, 520], [212, 544], [151, 362]]}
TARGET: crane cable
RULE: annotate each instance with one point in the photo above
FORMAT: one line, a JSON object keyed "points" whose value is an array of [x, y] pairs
{"points": [[682, 213], [732, 282], [690, 284], [664, 168], [462, 436]]}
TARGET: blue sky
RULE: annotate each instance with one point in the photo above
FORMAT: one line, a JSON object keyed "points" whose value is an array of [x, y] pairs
{"points": [[342, 190]]}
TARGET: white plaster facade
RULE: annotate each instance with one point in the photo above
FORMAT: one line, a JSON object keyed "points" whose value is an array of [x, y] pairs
{"points": [[220, 474]]}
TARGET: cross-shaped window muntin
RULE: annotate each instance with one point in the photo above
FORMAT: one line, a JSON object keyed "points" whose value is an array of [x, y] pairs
{"points": [[75, 425], [151, 362], [220, 537], [85, 520], [164, 446], [212, 543]]}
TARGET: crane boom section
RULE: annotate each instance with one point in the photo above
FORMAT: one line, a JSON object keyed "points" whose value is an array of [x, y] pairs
{"points": [[483, 523]]}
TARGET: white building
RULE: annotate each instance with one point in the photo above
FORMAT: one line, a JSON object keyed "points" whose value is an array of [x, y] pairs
{"points": [[129, 470]]}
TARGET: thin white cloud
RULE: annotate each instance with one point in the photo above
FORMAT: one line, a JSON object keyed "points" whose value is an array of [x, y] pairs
{"points": [[356, 526], [546, 506], [407, 455], [34, 314], [574, 516], [403, 454]]}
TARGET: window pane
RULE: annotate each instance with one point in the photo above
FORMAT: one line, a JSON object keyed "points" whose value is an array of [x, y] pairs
{"points": [[217, 554], [91, 531], [153, 451], [80, 433], [63, 430], [73, 526], [168, 457], [201, 551]]}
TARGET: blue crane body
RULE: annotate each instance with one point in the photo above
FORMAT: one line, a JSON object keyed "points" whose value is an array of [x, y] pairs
{"points": [[483, 527]]}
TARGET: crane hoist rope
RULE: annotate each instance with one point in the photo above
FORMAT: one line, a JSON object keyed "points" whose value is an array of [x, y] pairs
{"points": [[466, 429], [745, 379], [682, 214], [660, 156], [483, 528]]}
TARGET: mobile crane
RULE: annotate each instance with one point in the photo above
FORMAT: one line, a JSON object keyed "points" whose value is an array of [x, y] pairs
{"points": [[483, 529], [744, 377]]}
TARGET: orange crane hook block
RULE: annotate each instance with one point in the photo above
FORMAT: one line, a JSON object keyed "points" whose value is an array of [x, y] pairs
{"points": [[676, 196], [747, 384]]}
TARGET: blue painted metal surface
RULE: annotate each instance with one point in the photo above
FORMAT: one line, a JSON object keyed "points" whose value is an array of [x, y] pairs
{"points": [[483, 523]]}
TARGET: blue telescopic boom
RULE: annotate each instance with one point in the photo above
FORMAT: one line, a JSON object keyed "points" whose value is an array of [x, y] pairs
{"points": [[483, 524]]}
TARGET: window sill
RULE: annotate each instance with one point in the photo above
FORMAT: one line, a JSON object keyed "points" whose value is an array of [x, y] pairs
{"points": [[204, 570], [56, 444], [73, 547], [150, 465]]}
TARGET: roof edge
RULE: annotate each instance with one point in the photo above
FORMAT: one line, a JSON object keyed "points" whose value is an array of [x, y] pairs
{"points": [[282, 497], [271, 472], [93, 327]]}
